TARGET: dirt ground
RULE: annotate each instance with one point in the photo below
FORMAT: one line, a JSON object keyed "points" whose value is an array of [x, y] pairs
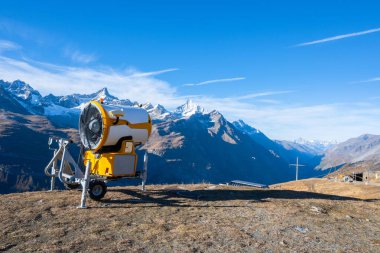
{"points": [[317, 185], [190, 218]]}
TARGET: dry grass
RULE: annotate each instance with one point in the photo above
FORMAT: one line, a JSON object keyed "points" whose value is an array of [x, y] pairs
{"points": [[325, 186], [189, 218]]}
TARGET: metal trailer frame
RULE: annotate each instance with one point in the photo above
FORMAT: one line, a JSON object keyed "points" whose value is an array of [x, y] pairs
{"points": [[77, 177]]}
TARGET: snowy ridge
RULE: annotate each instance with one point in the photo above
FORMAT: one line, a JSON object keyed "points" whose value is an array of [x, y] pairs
{"points": [[240, 124], [158, 112], [318, 144], [67, 108], [189, 108], [67, 105]]}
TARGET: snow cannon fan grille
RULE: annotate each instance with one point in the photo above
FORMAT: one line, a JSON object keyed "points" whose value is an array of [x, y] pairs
{"points": [[90, 126]]}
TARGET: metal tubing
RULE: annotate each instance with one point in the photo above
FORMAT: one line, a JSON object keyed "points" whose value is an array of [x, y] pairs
{"points": [[55, 157], [53, 172], [62, 164], [85, 182], [145, 171]]}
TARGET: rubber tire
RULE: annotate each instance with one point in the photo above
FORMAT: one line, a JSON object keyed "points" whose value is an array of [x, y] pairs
{"points": [[92, 185], [71, 186]]}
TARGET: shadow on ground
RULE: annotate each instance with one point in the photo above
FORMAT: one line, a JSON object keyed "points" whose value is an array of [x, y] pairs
{"points": [[176, 197]]}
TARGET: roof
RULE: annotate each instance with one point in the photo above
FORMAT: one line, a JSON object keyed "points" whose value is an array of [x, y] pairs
{"points": [[245, 183]]}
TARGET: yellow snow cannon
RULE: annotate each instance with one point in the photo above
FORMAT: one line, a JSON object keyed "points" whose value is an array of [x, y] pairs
{"points": [[109, 135]]}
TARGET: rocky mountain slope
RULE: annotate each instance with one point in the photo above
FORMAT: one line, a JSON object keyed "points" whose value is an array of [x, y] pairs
{"points": [[208, 147], [190, 218], [286, 150], [23, 145], [361, 149], [188, 144]]}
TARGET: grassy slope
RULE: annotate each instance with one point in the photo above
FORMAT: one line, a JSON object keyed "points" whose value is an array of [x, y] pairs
{"points": [[189, 218], [359, 190]]}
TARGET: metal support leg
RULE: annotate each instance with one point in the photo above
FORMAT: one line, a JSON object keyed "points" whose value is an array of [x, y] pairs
{"points": [[53, 172], [145, 172], [85, 182]]}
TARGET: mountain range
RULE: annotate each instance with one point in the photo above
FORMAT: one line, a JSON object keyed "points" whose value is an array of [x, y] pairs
{"points": [[187, 145], [365, 148]]}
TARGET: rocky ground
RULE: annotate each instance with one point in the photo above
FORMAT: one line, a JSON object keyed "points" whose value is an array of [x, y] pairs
{"points": [[192, 218]]}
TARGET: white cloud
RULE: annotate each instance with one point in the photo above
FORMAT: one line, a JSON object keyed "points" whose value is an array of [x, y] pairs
{"points": [[215, 81], [338, 37], [261, 94], [375, 79], [79, 57], [6, 45], [26, 31], [153, 73], [61, 80], [269, 101], [339, 121]]}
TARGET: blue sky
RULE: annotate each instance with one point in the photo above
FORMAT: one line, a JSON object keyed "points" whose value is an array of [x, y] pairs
{"points": [[292, 69]]}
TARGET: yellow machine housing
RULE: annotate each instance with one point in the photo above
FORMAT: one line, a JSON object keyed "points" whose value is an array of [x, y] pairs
{"points": [[115, 164], [110, 135]]}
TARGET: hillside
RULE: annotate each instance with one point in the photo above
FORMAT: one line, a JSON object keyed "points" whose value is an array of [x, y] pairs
{"points": [[362, 166], [24, 150], [206, 147], [189, 218], [288, 151], [363, 148]]}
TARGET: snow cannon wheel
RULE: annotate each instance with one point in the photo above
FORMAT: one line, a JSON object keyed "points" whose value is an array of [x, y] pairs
{"points": [[71, 186], [97, 190]]}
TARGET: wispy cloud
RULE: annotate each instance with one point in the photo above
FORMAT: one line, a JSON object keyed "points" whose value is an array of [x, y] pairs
{"points": [[6, 45], [215, 81], [269, 101], [338, 37], [375, 79], [153, 73], [338, 121], [25, 31], [63, 80], [261, 94], [79, 57]]}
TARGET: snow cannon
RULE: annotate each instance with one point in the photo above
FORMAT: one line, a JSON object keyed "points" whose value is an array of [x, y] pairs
{"points": [[104, 127], [109, 135]]}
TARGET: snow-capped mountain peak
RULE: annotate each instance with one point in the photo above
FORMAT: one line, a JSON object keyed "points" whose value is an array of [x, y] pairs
{"points": [[23, 91], [189, 108], [160, 108], [28, 97], [240, 123], [147, 106], [157, 112], [321, 144], [104, 93]]}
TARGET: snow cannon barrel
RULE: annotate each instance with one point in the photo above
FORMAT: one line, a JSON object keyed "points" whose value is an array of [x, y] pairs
{"points": [[103, 127]]}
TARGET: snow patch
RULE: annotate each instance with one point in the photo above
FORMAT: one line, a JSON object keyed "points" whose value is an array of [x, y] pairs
{"points": [[53, 109]]}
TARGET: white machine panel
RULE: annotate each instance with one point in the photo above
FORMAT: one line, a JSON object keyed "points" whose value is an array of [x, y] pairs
{"points": [[124, 165], [133, 115], [138, 135]]}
